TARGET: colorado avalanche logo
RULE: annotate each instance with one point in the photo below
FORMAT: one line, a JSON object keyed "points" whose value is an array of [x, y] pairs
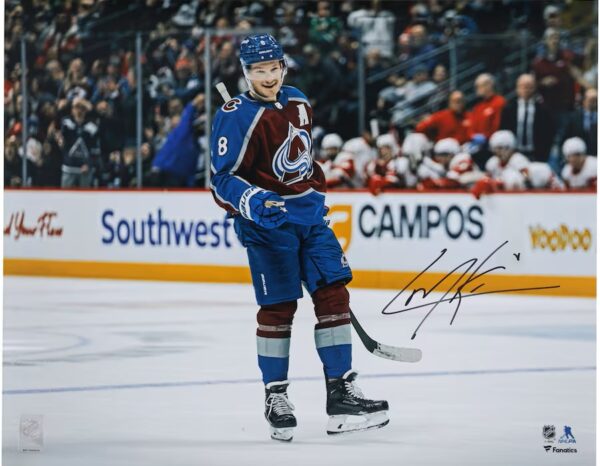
{"points": [[297, 145], [232, 105]]}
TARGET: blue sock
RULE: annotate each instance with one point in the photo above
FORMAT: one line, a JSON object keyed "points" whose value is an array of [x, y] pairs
{"points": [[334, 345], [273, 358]]}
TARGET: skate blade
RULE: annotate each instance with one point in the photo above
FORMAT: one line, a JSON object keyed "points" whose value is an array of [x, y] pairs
{"points": [[282, 434], [345, 424]]}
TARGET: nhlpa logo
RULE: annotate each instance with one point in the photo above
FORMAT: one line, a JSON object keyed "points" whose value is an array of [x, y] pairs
{"points": [[567, 437], [293, 156]]}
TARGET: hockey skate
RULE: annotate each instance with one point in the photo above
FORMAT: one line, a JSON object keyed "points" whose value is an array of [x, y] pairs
{"points": [[349, 410], [278, 411]]}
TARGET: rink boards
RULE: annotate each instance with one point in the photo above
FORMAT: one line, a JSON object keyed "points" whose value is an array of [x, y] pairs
{"points": [[414, 239]]}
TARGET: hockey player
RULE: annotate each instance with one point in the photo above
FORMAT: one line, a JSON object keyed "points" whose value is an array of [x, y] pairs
{"points": [[539, 175], [389, 170], [506, 169], [363, 152], [338, 167], [505, 158], [415, 148], [433, 171], [580, 170], [263, 175]]}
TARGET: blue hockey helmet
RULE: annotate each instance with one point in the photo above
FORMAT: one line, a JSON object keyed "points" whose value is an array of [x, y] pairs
{"points": [[260, 48]]}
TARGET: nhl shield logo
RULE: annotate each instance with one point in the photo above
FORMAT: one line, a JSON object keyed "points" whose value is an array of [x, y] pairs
{"points": [[549, 433]]}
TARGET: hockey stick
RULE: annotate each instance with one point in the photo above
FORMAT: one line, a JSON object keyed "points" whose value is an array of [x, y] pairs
{"points": [[394, 353], [223, 91]]}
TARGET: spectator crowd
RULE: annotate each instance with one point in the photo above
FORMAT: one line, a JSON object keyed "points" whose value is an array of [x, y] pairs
{"points": [[82, 91]]}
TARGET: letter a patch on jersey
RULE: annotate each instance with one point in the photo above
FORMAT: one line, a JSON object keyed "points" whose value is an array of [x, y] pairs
{"points": [[302, 115]]}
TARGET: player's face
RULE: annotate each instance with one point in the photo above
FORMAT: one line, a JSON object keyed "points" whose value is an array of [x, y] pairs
{"points": [[331, 153], [266, 79], [503, 153], [443, 159], [385, 153], [576, 161]]}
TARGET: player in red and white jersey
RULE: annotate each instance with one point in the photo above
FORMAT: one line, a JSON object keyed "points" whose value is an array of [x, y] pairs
{"points": [[338, 166], [433, 171], [539, 175], [580, 172], [389, 170], [415, 148], [464, 170], [363, 151], [505, 158], [506, 169]]}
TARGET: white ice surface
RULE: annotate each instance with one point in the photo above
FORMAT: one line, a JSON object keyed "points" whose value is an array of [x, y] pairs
{"points": [[145, 373]]}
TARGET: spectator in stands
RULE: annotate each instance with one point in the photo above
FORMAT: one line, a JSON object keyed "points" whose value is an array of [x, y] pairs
{"points": [[227, 67], [485, 116], [290, 31], [553, 19], [79, 141], [409, 96], [454, 25], [165, 123], [580, 172], [177, 159], [530, 121], [53, 78], [320, 83], [554, 70], [76, 83], [440, 96], [420, 46], [324, 28], [589, 78], [584, 122], [377, 27], [449, 123], [187, 83], [108, 91], [112, 138], [338, 166], [50, 172], [12, 163]]}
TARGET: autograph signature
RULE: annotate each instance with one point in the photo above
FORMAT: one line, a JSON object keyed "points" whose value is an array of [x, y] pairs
{"points": [[459, 287]]}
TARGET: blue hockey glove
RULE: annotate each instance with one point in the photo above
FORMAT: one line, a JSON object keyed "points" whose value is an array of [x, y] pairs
{"points": [[478, 139], [265, 208]]}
